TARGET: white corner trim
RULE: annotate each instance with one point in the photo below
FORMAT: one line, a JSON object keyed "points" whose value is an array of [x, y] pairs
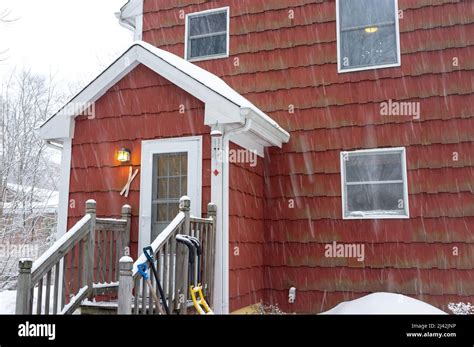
{"points": [[64, 181], [225, 233], [219, 196]]}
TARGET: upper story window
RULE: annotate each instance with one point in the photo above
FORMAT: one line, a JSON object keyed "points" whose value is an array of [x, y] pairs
{"points": [[374, 184], [367, 34], [207, 34]]}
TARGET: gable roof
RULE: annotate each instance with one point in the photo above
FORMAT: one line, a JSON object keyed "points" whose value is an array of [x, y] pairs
{"points": [[223, 105]]}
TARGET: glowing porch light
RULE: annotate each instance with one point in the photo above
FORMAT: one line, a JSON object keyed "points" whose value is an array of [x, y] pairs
{"points": [[123, 155]]}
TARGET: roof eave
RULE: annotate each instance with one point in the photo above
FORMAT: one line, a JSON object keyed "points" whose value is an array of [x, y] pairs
{"points": [[268, 130], [218, 108]]}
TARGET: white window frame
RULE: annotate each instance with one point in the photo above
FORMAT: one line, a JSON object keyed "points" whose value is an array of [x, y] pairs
{"points": [[372, 67], [191, 145], [186, 36], [399, 150]]}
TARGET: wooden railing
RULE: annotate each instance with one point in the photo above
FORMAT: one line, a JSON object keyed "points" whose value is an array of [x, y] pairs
{"points": [[111, 237], [67, 273], [171, 260]]}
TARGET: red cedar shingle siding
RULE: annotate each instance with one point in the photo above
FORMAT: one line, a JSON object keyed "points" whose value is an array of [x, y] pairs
{"points": [[246, 233], [141, 106], [283, 62]]}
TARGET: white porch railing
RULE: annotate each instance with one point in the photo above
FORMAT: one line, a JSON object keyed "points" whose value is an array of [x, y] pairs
{"points": [[68, 272], [89, 261], [171, 260]]}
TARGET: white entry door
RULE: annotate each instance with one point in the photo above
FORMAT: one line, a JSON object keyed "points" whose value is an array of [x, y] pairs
{"points": [[170, 168]]}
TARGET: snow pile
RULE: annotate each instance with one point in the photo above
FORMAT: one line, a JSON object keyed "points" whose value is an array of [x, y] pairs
{"points": [[384, 303], [461, 308], [7, 302]]}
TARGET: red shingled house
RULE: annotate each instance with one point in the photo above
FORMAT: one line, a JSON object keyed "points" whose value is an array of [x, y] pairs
{"points": [[359, 112]]}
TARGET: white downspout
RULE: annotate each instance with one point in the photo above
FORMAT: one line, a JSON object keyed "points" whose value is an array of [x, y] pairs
{"points": [[135, 23], [220, 196]]}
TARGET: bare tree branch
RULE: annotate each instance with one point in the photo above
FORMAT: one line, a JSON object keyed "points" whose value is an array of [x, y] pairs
{"points": [[27, 175]]}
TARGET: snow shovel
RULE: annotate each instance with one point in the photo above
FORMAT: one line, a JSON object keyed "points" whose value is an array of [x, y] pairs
{"points": [[143, 270], [193, 245], [148, 251]]}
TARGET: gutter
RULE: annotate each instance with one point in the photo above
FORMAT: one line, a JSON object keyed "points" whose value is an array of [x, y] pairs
{"points": [[54, 145], [246, 127], [124, 23]]}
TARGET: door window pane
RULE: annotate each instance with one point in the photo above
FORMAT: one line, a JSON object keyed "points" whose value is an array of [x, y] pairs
{"points": [[170, 175]]}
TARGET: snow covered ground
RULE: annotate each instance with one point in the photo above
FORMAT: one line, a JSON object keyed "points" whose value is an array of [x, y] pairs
{"points": [[377, 303], [384, 303], [7, 302]]}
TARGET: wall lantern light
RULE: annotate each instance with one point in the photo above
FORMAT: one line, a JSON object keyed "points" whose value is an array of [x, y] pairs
{"points": [[123, 155]]}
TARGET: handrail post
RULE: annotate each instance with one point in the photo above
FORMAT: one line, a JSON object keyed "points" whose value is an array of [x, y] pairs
{"points": [[89, 252], [125, 286], [127, 215], [211, 258], [182, 258], [23, 294]]}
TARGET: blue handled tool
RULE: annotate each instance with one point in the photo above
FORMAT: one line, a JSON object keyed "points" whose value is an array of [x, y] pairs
{"points": [[143, 271]]}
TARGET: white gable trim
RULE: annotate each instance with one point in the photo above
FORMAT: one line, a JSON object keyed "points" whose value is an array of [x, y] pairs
{"points": [[223, 105]]}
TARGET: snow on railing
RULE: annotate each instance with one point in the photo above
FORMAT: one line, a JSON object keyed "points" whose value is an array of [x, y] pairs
{"points": [[67, 271], [171, 261]]}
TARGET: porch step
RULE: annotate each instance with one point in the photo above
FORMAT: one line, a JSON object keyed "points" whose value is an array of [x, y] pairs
{"points": [[110, 307], [98, 308]]}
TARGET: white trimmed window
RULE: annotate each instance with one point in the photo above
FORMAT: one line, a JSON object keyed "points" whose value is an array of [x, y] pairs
{"points": [[367, 34], [207, 34], [374, 184]]}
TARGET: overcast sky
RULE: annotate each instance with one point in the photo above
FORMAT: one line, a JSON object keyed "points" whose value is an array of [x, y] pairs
{"points": [[74, 39]]}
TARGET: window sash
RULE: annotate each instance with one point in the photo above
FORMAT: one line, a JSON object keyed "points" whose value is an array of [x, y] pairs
{"points": [[360, 27], [374, 213], [373, 182], [393, 57], [200, 36], [190, 37]]}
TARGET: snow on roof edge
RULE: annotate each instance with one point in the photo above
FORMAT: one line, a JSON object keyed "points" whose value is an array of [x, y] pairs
{"points": [[209, 80]]}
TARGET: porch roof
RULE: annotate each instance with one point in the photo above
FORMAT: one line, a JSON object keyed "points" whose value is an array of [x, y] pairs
{"points": [[223, 105]]}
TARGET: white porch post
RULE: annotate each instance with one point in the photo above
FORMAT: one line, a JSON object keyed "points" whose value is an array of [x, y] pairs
{"points": [[65, 175], [218, 196]]}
